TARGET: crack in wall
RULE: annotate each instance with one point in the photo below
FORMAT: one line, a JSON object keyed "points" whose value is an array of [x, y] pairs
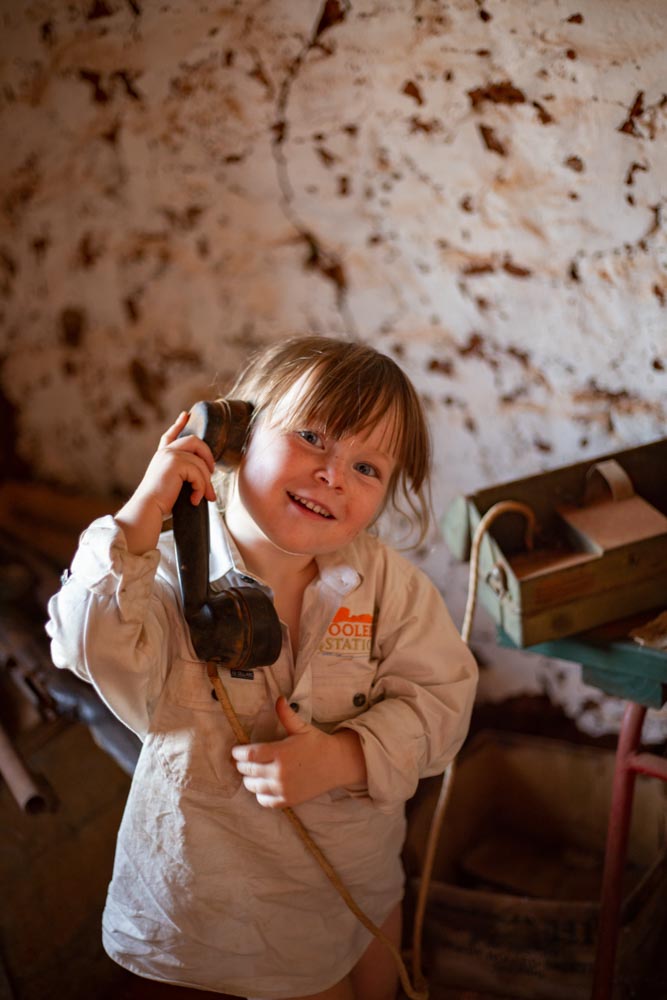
{"points": [[318, 258]]}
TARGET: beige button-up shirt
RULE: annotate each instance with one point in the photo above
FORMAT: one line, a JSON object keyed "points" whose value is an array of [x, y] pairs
{"points": [[209, 889]]}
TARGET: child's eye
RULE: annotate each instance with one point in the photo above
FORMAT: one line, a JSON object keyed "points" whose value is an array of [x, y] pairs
{"points": [[366, 470], [312, 437]]}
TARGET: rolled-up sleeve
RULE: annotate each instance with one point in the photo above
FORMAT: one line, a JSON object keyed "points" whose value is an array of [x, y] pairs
{"points": [[423, 693], [108, 625]]}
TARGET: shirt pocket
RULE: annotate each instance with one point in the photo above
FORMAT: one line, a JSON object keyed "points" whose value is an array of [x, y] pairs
{"points": [[341, 689], [192, 736]]}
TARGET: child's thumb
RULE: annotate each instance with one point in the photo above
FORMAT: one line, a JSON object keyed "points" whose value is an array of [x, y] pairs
{"points": [[289, 718]]}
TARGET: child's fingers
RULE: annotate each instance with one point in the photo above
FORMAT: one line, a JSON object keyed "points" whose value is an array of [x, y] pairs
{"points": [[174, 465], [261, 779], [265, 794], [196, 470], [195, 446], [249, 754], [175, 429], [209, 492], [198, 494]]}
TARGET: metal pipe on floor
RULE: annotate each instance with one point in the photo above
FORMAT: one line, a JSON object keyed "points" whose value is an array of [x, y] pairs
{"points": [[18, 778]]}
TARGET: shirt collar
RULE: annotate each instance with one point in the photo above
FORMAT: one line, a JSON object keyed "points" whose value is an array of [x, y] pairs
{"points": [[341, 571], [337, 570], [224, 556]]}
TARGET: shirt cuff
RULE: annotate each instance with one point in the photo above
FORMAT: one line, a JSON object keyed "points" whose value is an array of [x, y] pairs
{"points": [[104, 565]]}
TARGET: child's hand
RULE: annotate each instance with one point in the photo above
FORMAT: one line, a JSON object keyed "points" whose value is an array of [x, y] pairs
{"points": [[176, 461], [305, 764]]}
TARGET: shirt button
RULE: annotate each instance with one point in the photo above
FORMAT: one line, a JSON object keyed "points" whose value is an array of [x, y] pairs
{"points": [[294, 705], [359, 700]]}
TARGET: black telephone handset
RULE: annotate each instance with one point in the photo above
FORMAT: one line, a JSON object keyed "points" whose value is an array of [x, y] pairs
{"points": [[239, 626]]}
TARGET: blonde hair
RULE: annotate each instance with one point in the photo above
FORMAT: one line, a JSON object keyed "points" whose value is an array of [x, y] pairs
{"points": [[348, 387]]}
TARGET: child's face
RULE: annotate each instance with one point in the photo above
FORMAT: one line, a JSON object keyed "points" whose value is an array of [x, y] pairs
{"points": [[307, 493]]}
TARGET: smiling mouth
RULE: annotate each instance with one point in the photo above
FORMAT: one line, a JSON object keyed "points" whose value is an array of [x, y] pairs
{"points": [[310, 505]]}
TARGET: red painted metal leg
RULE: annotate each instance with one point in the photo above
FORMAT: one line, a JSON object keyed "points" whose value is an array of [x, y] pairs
{"points": [[616, 850]]}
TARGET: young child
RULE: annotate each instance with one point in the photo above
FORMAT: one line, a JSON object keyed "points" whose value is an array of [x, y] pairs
{"points": [[372, 690]]}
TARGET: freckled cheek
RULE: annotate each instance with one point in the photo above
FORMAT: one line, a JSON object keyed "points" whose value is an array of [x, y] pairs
{"points": [[364, 512]]}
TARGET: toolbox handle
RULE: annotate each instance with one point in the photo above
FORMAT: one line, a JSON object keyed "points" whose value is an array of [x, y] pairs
{"points": [[611, 475]]}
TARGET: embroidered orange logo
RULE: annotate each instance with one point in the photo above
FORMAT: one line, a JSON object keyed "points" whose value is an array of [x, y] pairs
{"points": [[348, 633]]}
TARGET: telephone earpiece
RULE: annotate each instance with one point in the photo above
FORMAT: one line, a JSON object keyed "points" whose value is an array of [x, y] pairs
{"points": [[239, 626], [223, 424]]}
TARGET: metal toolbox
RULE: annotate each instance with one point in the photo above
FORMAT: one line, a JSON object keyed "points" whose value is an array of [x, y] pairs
{"points": [[599, 552]]}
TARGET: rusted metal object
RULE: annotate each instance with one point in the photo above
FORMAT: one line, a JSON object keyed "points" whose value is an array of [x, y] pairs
{"points": [[15, 583], [27, 578], [629, 763]]}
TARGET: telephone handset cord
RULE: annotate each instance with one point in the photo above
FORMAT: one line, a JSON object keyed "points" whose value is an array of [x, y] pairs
{"points": [[420, 990]]}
